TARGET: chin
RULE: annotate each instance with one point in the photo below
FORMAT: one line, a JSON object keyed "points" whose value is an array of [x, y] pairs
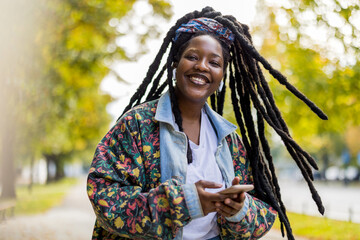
{"points": [[198, 98], [195, 95]]}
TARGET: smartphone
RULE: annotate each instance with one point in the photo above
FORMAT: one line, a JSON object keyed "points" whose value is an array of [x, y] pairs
{"points": [[237, 189]]}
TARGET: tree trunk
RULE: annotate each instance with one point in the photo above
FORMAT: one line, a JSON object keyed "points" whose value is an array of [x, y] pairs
{"points": [[50, 177], [325, 158], [32, 160], [7, 164], [55, 167], [60, 172]]}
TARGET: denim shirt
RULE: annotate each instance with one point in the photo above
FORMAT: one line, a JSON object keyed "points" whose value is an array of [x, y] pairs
{"points": [[173, 148]]}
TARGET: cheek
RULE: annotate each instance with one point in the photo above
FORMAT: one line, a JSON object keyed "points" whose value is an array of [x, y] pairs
{"points": [[219, 75]]}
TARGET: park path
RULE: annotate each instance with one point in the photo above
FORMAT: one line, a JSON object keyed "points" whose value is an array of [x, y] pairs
{"points": [[72, 220]]}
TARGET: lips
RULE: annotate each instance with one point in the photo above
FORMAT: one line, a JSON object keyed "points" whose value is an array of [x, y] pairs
{"points": [[199, 79]]}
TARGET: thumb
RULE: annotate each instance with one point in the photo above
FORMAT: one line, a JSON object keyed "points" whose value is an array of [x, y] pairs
{"points": [[236, 181], [208, 184], [242, 196]]}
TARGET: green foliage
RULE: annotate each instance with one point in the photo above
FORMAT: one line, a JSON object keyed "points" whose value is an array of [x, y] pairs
{"points": [[74, 52], [52, 84], [325, 67], [76, 55]]}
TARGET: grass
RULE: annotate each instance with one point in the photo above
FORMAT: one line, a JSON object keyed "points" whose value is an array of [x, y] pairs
{"points": [[42, 197], [319, 228]]}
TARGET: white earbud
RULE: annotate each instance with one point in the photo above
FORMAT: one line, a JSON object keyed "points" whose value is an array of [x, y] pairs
{"points": [[174, 75], [221, 86]]}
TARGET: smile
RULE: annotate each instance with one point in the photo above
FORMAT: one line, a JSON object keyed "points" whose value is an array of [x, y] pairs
{"points": [[199, 80]]}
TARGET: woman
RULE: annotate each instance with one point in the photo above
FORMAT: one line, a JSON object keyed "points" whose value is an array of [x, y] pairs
{"points": [[158, 172]]}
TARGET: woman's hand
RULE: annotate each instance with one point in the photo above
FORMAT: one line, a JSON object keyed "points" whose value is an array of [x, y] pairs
{"points": [[207, 199], [232, 203]]}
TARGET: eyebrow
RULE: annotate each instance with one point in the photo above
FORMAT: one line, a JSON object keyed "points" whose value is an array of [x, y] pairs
{"points": [[195, 50]]}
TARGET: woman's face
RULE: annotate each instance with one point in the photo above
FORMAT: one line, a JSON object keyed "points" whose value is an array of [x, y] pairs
{"points": [[200, 69]]}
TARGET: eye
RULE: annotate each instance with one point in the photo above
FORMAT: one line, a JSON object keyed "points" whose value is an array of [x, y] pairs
{"points": [[215, 63], [191, 57]]}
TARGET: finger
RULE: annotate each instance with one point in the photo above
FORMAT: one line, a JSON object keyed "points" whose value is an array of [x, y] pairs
{"points": [[236, 181], [240, 198], [233, 204], [230, 195], [221, 212], [208, 184], [213, 197], [225, 210]]}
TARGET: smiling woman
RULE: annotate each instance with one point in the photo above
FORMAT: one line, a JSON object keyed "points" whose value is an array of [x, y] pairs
{"points": [[198, 75], [159, 172]]}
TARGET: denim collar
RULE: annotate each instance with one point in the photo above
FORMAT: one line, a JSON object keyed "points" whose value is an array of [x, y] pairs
{"points": [[221, 125]]}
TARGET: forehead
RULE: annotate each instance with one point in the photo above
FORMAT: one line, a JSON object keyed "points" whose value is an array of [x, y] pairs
{"points": [[205, 43]]}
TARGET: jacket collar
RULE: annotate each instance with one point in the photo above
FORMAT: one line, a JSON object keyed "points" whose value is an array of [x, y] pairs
{"points": [[221, 125]]}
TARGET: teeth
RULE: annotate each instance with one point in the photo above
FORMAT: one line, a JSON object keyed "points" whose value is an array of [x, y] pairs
{"points": [[198, 80]]}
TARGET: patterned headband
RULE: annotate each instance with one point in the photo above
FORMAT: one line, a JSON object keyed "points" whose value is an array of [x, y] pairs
{"points": [[207, 25]]}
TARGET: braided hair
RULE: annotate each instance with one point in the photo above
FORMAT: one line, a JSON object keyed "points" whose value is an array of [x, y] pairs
{"points": [[249, 91]]}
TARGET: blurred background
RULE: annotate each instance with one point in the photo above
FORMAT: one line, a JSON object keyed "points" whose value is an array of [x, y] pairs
{"points": [[68, 68]]}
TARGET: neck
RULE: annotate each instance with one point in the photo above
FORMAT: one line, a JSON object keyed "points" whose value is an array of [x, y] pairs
{"points": [[189, 110], [191, 118]]}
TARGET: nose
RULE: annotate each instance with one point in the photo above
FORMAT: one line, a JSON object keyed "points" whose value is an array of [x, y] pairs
{"points": [[202, 66]]}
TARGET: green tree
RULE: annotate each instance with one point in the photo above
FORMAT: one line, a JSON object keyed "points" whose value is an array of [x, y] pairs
{"points": [[316, 45], [59, 111], [77, 53]]}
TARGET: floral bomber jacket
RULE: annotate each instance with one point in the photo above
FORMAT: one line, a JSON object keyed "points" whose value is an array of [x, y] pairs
{"points": [[130, 199]]}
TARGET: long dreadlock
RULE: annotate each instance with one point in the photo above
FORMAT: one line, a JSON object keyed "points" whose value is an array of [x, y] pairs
{"points": [[249, 90]]}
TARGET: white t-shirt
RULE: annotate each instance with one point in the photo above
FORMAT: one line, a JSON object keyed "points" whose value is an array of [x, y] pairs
{"points": [[204, 167]]}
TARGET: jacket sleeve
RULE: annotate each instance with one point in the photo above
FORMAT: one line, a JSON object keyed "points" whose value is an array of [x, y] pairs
{"points": [[122, 191], [257, 217]]}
